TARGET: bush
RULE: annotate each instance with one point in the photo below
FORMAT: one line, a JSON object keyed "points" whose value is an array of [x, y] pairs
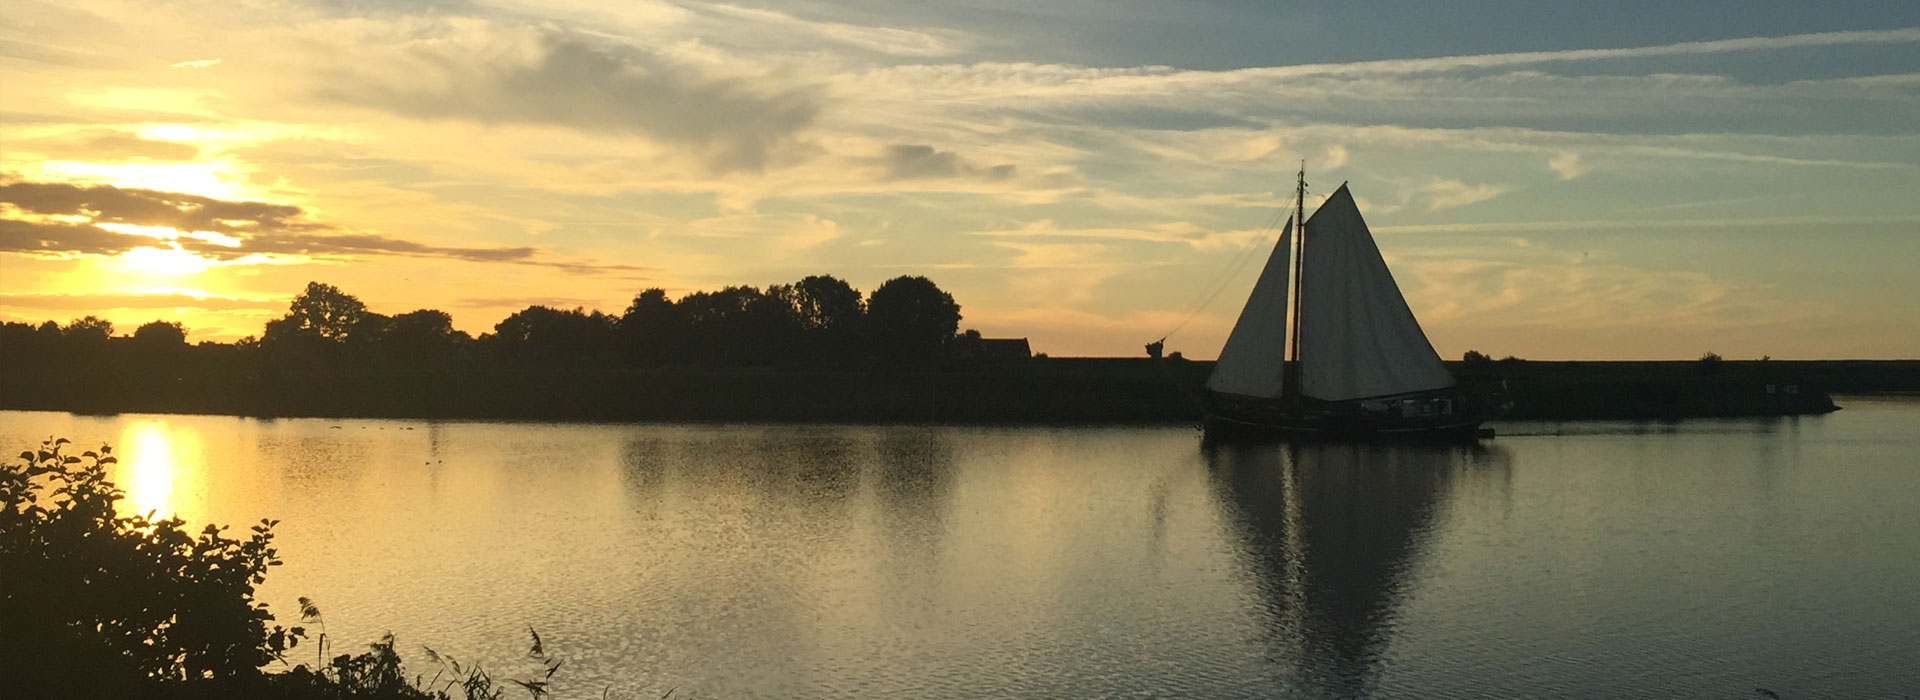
{"points": [[96, 605], [1710, 363]]}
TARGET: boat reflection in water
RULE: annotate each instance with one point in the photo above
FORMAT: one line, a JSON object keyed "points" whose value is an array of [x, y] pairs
{"points": [[1331, 534]]}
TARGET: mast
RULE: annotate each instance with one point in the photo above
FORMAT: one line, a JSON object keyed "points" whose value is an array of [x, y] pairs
{"points": [[1290, 384]]}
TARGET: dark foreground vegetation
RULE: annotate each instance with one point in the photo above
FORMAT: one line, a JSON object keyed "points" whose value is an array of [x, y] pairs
{"points": [[813, 350], [95, 604]]}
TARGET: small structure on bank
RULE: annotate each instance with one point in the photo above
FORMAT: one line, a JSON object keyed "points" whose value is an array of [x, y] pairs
{"points": [[971, 346]]}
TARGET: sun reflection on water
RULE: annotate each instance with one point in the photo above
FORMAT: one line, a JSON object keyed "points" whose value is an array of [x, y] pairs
{"points": [[154, 468]]}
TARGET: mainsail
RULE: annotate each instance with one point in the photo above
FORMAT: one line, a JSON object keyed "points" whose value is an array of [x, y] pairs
{"points": [[1357, 339], [1252, 362]]}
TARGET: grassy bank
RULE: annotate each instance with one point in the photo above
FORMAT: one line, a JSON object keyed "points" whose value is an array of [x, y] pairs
{"points": [[1686, 389], [1038, 391]]}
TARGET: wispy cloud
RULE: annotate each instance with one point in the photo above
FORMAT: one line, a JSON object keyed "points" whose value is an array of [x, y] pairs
{"points": [[1568, 166], [1438, 193], [91, 301], [1178, 232], [914, 161], [1686, 48], [484, 73], [888, 40]]}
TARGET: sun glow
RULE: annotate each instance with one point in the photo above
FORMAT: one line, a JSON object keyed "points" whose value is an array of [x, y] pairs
{"points": [[165, 261], [165, 233], [219, 179]]}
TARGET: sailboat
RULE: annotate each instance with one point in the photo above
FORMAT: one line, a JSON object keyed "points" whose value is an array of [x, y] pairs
{"points": [[1326, 346]]}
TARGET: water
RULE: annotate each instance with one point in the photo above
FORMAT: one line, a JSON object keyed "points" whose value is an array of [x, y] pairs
{"points": [[1698, 559]]}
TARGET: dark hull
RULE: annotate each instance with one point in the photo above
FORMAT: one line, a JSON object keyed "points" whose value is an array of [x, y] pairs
{"points": [[1456, 415], [1225, 428]]}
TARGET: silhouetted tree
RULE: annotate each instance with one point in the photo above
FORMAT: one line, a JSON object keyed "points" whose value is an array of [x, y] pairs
{"points": [[88, 329], [824, 302], [420, 339], [1475, 357], [772, 327], [829, 313], [909, 318], [26, 345], [286, 345], [161, 334], [541, 335], [160, 343], [315, 332], [653, 330], [84, 341], [738, 325], [326, 311]]}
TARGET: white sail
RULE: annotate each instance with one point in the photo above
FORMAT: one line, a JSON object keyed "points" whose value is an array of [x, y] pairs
{"points": [[1254, 359], [1358, 339]]}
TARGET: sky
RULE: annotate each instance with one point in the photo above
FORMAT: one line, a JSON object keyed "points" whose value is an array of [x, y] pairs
{"points": [[1622, 180]]}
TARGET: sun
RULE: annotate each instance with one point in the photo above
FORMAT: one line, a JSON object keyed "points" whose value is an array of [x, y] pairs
{"points": [[172, 262]]}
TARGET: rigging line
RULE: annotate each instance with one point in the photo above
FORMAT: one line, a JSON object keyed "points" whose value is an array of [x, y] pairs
{"points": [[1233, 270], [1239, 263]]}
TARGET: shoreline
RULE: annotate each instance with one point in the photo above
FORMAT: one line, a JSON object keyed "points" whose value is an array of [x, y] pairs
{"points": [[1040, 392]]}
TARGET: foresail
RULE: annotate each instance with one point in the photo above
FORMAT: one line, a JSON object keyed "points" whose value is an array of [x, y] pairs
{"points": [[1358, 339], [1253, 360]]}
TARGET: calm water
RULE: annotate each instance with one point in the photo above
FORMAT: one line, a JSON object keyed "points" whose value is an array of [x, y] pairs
{"points": [[1702, 559]]}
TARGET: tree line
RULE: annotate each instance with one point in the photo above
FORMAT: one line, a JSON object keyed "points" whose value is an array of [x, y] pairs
{"points": [[816, 321]]}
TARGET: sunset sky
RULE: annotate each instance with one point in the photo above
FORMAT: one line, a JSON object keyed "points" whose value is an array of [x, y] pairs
{"points": [[1631, 180]]}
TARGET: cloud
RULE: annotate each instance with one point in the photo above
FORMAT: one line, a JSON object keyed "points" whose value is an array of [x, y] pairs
{"points": [[523, 302], [142, 207], [1552, 289], [1689, 48], [128, 146], [64, 238], [201, 63], [332, 244], [1336, 156], [1567, 164], [908, 161], [481, 73], [1062, 273], [1181, 232], [888, 40], [227, 230], [1507, 89], [85, 302], [590, 268], [1442, 193]]}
